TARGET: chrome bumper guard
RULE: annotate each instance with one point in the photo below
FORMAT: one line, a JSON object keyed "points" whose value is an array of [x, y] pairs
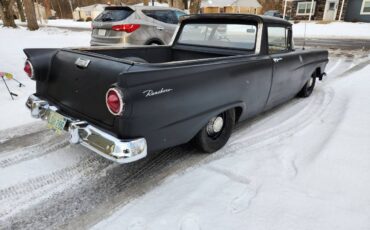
{"points": [[81, 132]]}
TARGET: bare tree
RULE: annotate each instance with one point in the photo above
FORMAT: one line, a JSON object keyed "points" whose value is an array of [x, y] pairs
{"points": [[29, 7], [47, 8], [7, 13], [20, 10], [179, 4], [195, 6], [60, 9], [271, 5]]}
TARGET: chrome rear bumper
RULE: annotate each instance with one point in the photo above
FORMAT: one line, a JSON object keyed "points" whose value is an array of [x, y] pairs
{"points": [[81, 132]]}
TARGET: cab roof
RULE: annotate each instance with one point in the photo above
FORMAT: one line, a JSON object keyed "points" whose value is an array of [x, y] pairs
{"points": [[235, 17]]}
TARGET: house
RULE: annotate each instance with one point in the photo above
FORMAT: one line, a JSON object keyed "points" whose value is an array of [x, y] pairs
{"points": [[330, 10], [88, 12], [358, 11], [231, 6]]}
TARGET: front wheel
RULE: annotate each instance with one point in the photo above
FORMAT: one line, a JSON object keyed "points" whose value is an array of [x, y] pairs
{"points": [[307, 89], [215, 134]]}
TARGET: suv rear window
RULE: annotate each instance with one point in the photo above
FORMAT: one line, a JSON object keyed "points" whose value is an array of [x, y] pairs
{"points": [[166, 16], [114, 14]]}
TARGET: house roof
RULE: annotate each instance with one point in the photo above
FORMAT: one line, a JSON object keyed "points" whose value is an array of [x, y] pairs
{"points": [[222, 3]]}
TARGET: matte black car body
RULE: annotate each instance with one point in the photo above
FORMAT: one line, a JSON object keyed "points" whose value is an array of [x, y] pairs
{"points": [[201, 82]]}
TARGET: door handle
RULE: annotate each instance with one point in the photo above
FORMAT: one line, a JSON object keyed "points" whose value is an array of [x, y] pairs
{"points": [[276, 60], [160, 28]]}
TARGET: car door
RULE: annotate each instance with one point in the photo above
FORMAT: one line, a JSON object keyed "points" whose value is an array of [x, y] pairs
{"points": [[287, 65]]}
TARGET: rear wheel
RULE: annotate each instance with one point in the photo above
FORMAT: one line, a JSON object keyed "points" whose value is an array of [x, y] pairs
{"points": [[215, 134], [307, 89]]}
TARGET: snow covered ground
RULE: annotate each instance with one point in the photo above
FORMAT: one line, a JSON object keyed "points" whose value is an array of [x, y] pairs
{"points": [[304, 165], [12, 58], [60, 23], [341, 30]]}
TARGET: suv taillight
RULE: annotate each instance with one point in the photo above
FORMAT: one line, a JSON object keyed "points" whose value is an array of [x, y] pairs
{"points": [[114, 101], [128, 28], [28, 68]]}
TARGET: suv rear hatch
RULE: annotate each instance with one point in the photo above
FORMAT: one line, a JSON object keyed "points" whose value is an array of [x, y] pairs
{"points": [[81, 91], [102, 25]]}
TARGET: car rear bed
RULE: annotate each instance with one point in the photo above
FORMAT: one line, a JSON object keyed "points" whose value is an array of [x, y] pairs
{"points": [[161, 54]]}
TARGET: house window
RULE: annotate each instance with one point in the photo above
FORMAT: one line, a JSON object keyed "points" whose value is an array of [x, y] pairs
{"points": [[332, 6], [365, 9], [303, 8]]}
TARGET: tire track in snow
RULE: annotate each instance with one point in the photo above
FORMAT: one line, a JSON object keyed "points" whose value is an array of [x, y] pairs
{"points": [[118, 185], [34, 190], [19, 131], [278, 133], [48, 145], [334, 67]]}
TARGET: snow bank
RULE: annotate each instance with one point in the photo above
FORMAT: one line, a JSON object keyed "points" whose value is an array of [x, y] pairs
{"points": [[333, 30], [64, 23], [12, 43], [59, 23], [68, 23]]}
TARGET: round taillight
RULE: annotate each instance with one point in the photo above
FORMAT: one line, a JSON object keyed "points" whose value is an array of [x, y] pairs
{"points": [[114, 101], [28, 68]]}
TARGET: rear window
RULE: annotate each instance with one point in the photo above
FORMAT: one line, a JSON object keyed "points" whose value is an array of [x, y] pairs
{"points": [[114, 14], [166, 16], [237, 36]]}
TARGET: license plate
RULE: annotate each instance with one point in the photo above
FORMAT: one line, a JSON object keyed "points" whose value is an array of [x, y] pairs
{"points": [[56, 122], [101, 32]]}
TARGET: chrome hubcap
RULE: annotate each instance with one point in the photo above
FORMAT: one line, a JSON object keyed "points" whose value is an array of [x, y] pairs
{"points": [[215, 125]]}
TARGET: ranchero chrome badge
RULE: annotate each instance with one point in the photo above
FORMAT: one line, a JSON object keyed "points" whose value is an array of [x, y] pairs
{"points": [[82, 63], [150, 92]]}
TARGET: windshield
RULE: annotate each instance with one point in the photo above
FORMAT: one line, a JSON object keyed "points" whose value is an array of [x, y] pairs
{"points": [[113, 15], [237, 36]]}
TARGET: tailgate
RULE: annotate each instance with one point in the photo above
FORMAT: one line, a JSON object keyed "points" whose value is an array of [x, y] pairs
{"points": [[81, 91]]}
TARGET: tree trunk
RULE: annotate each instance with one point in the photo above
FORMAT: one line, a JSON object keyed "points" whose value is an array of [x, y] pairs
{"points": [[185, 4], [20, 10], [195, 6], [179, 4], [7, 13], [30, 15], [47, 8], [60, 9]]}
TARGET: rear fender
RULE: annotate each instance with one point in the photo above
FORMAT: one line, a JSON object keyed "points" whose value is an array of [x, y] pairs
{"points": [[183, 131], [40, 59]]}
